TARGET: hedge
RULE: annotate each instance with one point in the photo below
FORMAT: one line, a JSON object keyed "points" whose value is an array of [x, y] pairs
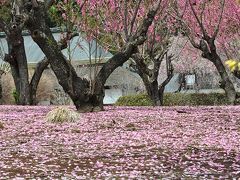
{"points": [[134, 100], [176, 99]]}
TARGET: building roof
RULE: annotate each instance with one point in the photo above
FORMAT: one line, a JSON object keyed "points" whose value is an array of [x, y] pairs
{"points": [[79, 50]]}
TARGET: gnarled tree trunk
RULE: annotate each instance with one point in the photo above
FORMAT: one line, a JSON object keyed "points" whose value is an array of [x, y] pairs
{"points": [[25, 93], [226, 83], [153, 91], [150, 77], [18, 62], [85, 97], [209, 52]]}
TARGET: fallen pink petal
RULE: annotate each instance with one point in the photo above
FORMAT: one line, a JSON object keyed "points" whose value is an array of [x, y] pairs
{"points": [[121, 142]]}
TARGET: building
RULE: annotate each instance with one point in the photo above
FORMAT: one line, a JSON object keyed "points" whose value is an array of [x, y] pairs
{"points": [[87, 58]]}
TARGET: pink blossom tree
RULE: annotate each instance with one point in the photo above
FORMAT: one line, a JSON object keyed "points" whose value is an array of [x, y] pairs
{"points": [[147, 58], [94, 17], [206, 23]]}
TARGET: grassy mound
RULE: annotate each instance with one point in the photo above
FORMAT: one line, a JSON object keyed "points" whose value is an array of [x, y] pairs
{"points": [[62, 114]]}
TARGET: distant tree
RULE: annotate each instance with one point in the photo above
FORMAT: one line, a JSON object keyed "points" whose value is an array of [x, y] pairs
{"points": [[149, 57], [206, 23]]}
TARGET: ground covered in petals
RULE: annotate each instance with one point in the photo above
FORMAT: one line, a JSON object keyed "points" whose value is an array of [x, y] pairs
{"points": [[127, 142]]}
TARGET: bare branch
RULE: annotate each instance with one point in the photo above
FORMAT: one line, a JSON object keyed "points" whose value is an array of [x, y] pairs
{"points": [[84, 2], [63, 43], [169, 73], [202, 12], [139, 59], [125, 24], [131, 47], [187, 31], [134, 17], [140, 35], [198, 20], [194, 44], [219, 20]]}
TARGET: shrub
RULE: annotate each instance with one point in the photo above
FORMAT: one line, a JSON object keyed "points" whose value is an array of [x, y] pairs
{"points": [[194, 99], [134, 100], [62, 114], [176, 99]]}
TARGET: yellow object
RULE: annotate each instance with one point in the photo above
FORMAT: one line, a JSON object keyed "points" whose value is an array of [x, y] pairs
{"points": [[232, 64]]}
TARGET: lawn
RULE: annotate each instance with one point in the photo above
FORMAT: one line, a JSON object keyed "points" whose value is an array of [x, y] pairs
{"points": [[127, 142]]}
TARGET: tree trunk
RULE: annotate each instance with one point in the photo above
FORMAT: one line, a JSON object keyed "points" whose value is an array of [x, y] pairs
{"points": [[77, 88], [151, 84], [18, 62], [25, 93], [169, 71], [208, 48], [150, 76], [93, 103], [161, 88], [155, 91], [226, 83], [152, 91], [40, 67], [17, 59]]}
